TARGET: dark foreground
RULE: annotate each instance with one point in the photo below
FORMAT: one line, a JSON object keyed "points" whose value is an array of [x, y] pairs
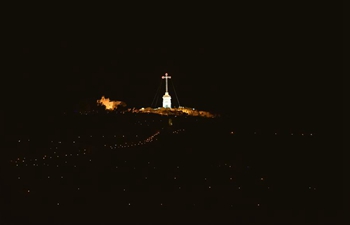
{"points": [[140, 169]]}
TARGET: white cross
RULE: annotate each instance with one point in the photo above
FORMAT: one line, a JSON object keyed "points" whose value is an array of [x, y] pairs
{"points": [[166, 77]]}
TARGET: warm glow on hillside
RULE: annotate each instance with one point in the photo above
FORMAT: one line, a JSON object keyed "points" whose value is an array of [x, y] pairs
{"points": [[176, 111], [110, 105]]}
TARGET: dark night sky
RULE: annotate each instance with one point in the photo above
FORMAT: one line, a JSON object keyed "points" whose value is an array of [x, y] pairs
{"points": [[258, 61]]}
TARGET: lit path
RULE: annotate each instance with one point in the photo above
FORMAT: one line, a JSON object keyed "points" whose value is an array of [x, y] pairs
{"points": [[58, 147]]}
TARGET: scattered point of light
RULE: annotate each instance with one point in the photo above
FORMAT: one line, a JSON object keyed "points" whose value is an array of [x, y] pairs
{"points": [[258, 204], [28, 191], [58, 203], [129, 204], [174, 178], [48, 176], [19, 178], [209, 186], [262, 178]]}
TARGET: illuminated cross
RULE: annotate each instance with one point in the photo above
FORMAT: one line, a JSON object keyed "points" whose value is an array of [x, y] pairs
{"points": [[166, 77]]}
